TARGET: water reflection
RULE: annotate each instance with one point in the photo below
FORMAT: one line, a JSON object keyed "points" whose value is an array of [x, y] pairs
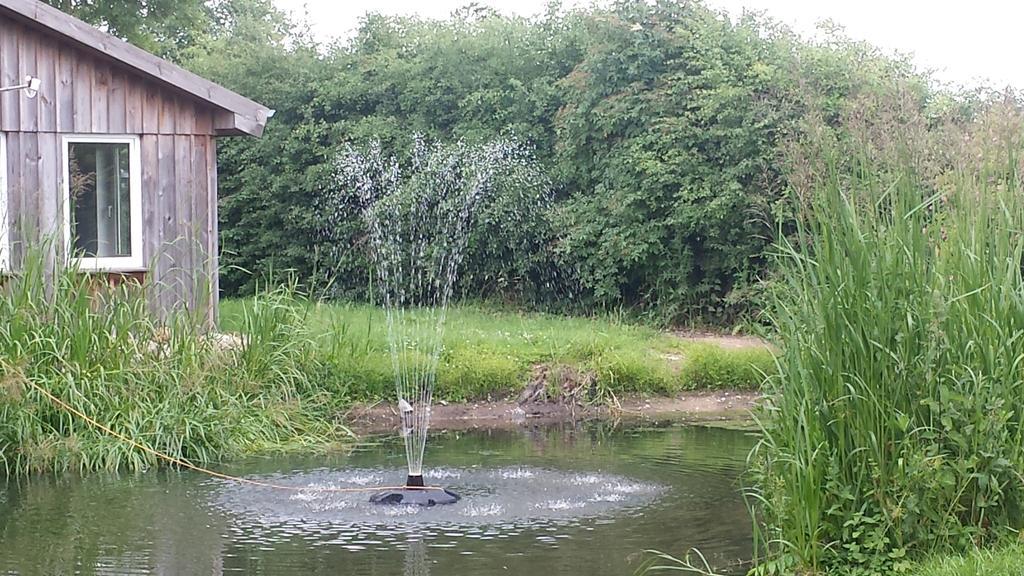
{"points": [[416, 562]]}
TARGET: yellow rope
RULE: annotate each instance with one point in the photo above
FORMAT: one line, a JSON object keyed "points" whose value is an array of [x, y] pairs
{"points": [[200, 469]]}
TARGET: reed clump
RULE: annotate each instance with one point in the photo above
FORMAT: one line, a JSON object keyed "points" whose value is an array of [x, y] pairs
{"points": [[167, 384], [894, 427]]}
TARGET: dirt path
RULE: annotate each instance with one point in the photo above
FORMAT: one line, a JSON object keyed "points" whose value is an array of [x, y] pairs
{"points": [[727, 341], [505, 414], [689, 407]]}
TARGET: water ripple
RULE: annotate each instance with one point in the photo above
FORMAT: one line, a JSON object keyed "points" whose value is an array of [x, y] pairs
{"points": [[496, 503]]}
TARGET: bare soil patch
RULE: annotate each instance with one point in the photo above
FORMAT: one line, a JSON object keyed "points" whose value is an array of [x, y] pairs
{"points": [[555, 394], [509, 414], [727, 341]]}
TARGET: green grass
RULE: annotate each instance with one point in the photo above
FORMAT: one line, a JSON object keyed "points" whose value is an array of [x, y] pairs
{"points": [[489, 353], [1006, 561]]}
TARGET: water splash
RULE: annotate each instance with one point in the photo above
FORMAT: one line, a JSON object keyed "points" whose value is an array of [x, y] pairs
{"points": [[494, 500], [419, 215]]}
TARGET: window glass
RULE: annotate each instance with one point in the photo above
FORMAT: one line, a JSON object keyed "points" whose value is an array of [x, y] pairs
{"points": [[99, 176]]}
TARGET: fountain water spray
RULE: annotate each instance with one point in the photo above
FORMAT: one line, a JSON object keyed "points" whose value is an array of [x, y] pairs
{"points": [[419, 216]]}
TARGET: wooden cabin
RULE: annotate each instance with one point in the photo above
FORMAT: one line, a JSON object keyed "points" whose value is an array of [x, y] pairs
{"points": [[113, 160]]}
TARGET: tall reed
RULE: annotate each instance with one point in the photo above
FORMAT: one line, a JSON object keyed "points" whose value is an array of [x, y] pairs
{"points": [[894, 424], [168, 384]]}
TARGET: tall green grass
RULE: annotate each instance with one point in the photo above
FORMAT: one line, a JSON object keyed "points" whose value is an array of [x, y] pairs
{"points": [[166, 384], [894, 426]]}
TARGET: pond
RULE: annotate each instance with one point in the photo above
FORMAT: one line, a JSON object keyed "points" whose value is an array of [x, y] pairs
{"points": [[557, 500]]}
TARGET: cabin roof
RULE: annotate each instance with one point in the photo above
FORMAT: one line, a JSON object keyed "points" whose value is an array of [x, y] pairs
{"points": [[244, 116]]}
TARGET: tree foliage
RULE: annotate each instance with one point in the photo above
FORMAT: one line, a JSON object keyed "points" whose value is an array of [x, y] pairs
{"points": [[662, 127], [667, 136], [164, 27]]}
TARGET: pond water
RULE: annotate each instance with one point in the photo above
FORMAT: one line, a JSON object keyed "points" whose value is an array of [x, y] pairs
{"points": [[561, 500]]}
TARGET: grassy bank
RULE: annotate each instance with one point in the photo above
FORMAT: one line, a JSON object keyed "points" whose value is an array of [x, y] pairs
{"points": [[491, 353], [286, 381], [163, 384]]}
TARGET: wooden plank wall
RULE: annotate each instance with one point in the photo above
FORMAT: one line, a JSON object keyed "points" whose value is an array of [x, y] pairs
{"points": [[81, 94]]}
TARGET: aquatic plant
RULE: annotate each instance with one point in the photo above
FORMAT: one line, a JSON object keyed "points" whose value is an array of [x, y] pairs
{"points": [[894, 426], [168, 383], [693, 562]]}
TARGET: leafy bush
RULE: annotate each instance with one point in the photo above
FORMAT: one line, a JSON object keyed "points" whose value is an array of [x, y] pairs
{"points": [[659, 125], [668, 135]]}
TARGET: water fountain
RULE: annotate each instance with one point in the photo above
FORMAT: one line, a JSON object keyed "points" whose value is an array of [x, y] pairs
{"points": [[419, 216]]}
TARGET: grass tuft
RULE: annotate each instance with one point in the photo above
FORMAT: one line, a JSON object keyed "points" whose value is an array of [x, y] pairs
{"points": [[167, 385], [1003, 561]]}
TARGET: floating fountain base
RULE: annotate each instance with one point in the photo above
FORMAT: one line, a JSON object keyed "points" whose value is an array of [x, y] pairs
{"points": [[415, 494]]}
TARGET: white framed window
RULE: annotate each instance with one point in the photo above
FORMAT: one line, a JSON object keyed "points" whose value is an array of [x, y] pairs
{"points": [[5, 216], [103, 194]]}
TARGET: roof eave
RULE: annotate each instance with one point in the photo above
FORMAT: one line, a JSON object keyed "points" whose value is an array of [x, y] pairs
{"points": [[230, 124]]}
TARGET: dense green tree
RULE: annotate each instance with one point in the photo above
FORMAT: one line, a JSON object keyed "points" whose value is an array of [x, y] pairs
{"points": [[667, 135], [164, 27], [659, 126], [662, 127], [268, 186], [472, 77]]}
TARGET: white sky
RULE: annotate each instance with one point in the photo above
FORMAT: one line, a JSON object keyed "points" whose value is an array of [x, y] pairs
{"points": [[962, 42]]}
